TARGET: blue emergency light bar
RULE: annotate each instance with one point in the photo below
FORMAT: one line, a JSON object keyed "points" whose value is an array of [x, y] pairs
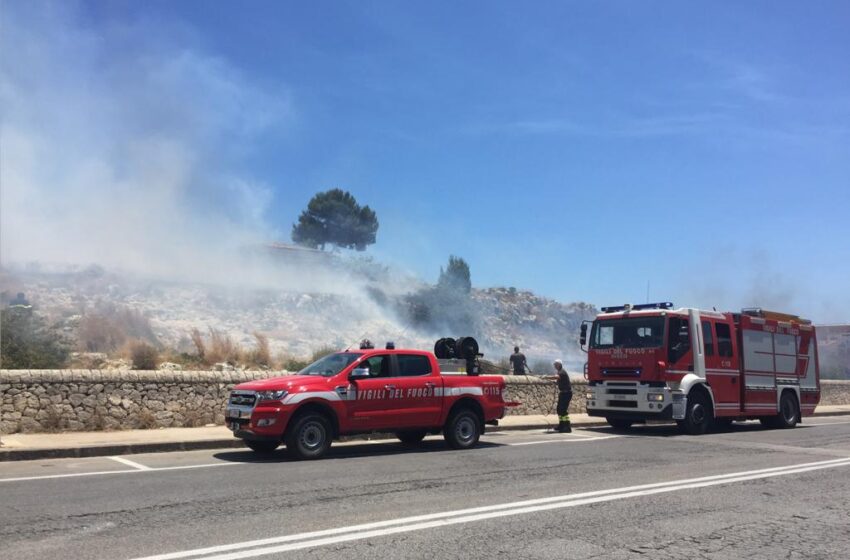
{"points": [[638, 307]]}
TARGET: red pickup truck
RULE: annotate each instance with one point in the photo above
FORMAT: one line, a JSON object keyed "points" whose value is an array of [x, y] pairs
{"points": [[361, 391]]}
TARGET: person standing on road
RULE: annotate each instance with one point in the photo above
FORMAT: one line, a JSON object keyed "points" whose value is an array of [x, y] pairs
{"points": [[518, 362], [565, 395]]}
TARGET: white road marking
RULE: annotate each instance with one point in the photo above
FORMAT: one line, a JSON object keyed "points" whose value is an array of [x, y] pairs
{"points": [[806, 424], [123, 471], [314, 539], [542, 441], [136, 466], [580, 434], [130, 463]]}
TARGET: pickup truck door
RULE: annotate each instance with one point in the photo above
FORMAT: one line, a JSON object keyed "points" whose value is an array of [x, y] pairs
{"points": [[375, 404], [421, 391]]}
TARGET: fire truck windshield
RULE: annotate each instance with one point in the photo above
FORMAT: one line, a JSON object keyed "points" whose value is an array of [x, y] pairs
{"points": [[331, 364], [631, 332]]}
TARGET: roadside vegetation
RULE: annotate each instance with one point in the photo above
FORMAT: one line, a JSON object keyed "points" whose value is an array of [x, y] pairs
{"points": [[124, 339], [27, 341]]}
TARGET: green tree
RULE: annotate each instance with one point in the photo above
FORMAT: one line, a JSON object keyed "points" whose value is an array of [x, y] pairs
{"points": [[455, 276], [335, 218], [448, 306], [26, 342]]}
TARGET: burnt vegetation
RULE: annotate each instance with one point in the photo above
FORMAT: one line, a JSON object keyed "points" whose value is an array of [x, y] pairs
{"points": [[447, 305]]}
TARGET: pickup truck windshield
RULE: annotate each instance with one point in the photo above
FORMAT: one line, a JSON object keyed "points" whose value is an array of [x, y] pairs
{"points": [[632, 332], [331, 364]]}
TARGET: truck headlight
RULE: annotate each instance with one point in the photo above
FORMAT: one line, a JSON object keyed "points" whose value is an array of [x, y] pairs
{"points": [[655, 397], [271, 395], [588, 395]]}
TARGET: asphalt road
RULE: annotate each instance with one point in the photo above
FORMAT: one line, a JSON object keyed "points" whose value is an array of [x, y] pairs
{"points": [[746, 493]]}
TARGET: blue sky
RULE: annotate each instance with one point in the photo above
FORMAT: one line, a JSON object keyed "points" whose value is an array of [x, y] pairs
{"points": [[578, 149]]}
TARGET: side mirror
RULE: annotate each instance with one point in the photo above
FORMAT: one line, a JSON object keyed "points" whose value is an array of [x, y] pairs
{"points": [[582, 339], [358, 373]]}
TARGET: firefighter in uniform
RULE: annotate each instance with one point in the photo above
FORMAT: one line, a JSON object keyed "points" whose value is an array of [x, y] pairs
{"points": [[565, 395]]}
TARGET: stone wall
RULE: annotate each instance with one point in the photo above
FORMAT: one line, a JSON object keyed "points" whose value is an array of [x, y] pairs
{"points": [[57, 400]]}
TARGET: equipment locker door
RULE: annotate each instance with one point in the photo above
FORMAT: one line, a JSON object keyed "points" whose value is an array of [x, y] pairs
{"points": [[758, 367], [721, 367]]}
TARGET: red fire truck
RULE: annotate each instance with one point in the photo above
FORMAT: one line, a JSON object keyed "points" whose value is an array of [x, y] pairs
{"points": [[369, 390], [700, 368]]}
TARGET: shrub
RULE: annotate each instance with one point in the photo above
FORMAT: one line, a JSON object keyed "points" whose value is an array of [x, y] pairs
{"points": [[222, 349], [143, 355], [490, 368], [200, 346], [192, 419], [27, 342], [447, 305], [261, 355], [291, 363], [147, 421], [109, 327], [543, 367], [321, 352]]}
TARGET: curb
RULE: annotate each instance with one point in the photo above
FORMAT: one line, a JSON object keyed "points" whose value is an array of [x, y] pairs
{"points": [[229, 443], [106, 450], [115, 449]]}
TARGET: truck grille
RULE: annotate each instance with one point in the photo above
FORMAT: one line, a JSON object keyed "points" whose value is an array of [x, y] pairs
{"points": [[613, 391], [623, 404], [242, 399], [622, 371]]}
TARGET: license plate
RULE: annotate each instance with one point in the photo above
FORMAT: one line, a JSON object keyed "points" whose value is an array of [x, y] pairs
{"points": [[234, 413]]}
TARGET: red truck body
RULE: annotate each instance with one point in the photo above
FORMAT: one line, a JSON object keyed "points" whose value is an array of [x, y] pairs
{"points": [[359, 391], [701, 368]]}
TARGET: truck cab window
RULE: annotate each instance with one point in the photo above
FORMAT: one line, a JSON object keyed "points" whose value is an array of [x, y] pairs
{"points": [[379, 366], [679, 339], [412, 365], [708, 338], [628, 332], [724, 340]]}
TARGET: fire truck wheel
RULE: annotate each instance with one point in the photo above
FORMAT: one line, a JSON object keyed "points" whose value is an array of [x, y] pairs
{"points": [[698, 416], [789, 412], [723, 424], [262, 446], [463, 429], [411, 437], [309, 437], [619, 423]]}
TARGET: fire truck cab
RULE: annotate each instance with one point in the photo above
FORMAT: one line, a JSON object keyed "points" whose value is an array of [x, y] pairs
{"points": [[700, 368]]}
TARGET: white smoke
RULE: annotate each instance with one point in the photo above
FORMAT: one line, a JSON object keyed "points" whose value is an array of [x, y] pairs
{"points": [[126, 146], [125, 151]]}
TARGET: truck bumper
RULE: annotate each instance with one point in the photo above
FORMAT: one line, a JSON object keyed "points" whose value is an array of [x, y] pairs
{"points": [[631, 400], [257, 424]]}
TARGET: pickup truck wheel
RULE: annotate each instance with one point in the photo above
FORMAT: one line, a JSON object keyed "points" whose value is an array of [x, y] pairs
{"points": [[309, 437], [462, 430], [410, 437], [262, 446]]}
